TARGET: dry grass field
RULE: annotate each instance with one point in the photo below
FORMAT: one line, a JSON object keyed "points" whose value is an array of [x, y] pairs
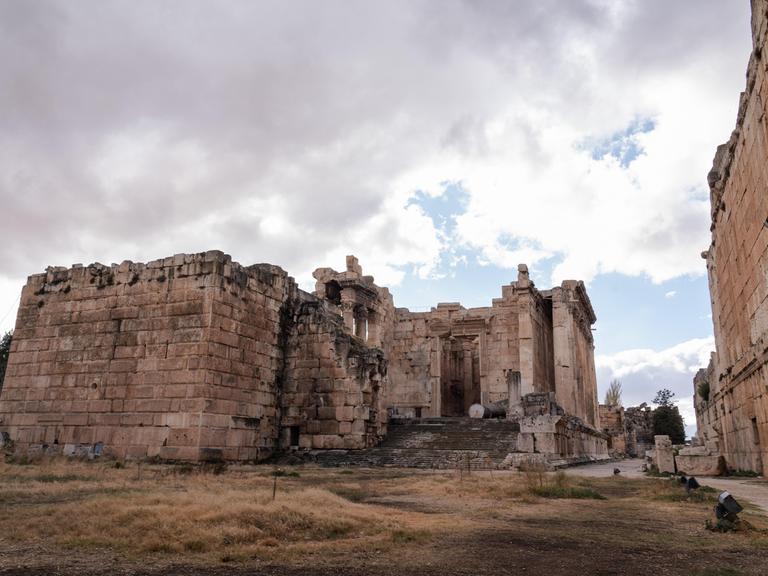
{"points": [[101, 518]]}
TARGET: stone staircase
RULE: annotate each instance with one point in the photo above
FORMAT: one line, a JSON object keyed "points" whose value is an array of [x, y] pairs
{"points": [[435, 443]]}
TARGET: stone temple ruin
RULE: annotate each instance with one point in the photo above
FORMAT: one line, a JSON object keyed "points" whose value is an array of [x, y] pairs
{"points": [[731, 395], [195, 357], [629, 431]]}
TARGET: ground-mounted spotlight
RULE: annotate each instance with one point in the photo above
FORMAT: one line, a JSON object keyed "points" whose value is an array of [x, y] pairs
{"points": [[727, 514], [727, 508]]}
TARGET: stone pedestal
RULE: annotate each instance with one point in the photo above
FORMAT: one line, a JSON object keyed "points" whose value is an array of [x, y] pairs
{"points": [[664, 455]]}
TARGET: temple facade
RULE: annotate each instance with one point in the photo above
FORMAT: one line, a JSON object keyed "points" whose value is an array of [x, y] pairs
{"points": [[195, 357]]}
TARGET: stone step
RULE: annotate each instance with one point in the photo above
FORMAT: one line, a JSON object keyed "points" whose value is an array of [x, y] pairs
{"points": [[438, 443], [453, 434], [424, 458]]}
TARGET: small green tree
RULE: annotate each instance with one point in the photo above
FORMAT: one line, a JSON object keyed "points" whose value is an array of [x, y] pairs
{"points": [[613, 394], [5, 351], [667, 419], [664, 397]]}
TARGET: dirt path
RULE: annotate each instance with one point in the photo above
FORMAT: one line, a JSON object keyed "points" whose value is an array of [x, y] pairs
{"points": [[755, 490]]}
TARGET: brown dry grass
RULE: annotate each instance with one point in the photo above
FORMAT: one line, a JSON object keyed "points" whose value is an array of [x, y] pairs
{"points": [[167, 510], [343, 517]]}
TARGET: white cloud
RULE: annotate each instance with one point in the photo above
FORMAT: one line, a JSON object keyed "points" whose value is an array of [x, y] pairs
{"points": [[296, 133], [671, 294], [643, 372]]}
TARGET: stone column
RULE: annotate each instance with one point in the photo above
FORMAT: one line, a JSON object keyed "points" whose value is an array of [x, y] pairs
{"points": [[374, 338], [361, 327], [515, 409], [563, 352], [525, 331], [434, 374], [466, 357]]}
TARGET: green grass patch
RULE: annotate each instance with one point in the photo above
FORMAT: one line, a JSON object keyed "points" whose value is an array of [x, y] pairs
{"points": [[409, 536], [744, 473], [654, 473], [195, 546], [51, 478], [697, 496], [286, 474], [48, 478], [350, 493], [575, 492]]}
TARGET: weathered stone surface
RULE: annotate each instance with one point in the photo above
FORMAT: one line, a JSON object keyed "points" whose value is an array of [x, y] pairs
{"points": [[196, 357], [638, 422], [528, 341], [731, 397], [612, 422], [664, 455], [182, 358], [700, 465]]}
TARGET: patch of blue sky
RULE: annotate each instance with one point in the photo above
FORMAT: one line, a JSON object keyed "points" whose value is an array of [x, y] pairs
{"points": [[622, 145], [443, 209], [460, 276], [468, 282], [633, 312]]}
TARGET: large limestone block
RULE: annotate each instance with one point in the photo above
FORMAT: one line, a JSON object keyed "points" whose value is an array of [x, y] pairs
{"points": [[662, 441], [525, 442], [694, 451], [700, 465], [664, 456], [518, 460], [539, 424]]}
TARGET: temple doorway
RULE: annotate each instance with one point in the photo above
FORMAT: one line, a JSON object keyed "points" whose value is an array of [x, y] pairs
{"points": [[459, 375]]}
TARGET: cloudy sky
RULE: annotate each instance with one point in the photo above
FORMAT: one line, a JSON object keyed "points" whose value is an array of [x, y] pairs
{"points": [[442, 142]]}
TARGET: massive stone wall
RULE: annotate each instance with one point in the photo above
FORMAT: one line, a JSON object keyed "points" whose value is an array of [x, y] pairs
{"points": [[413, 367], [575, 376], [612, 422], [182, 358], [196, 357], [333, 384], [734, 413], [170, 358]]}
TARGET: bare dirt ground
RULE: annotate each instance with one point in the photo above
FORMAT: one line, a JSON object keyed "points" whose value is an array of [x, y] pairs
{"points": [[94, 519]]}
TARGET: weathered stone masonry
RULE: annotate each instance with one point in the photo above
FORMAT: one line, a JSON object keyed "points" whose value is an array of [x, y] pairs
{"points": [[733, 418], [181, 358], [196, 357], [528, 341]]}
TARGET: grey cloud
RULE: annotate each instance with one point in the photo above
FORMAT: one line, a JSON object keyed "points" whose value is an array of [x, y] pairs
{"points": [[322, 105]]}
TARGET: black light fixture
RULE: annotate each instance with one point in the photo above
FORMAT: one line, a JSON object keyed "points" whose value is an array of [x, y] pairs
{"points": [[727, 508]]}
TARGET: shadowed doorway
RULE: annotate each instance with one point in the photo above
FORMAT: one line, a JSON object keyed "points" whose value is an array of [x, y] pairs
{"points": [[459, 375]]}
